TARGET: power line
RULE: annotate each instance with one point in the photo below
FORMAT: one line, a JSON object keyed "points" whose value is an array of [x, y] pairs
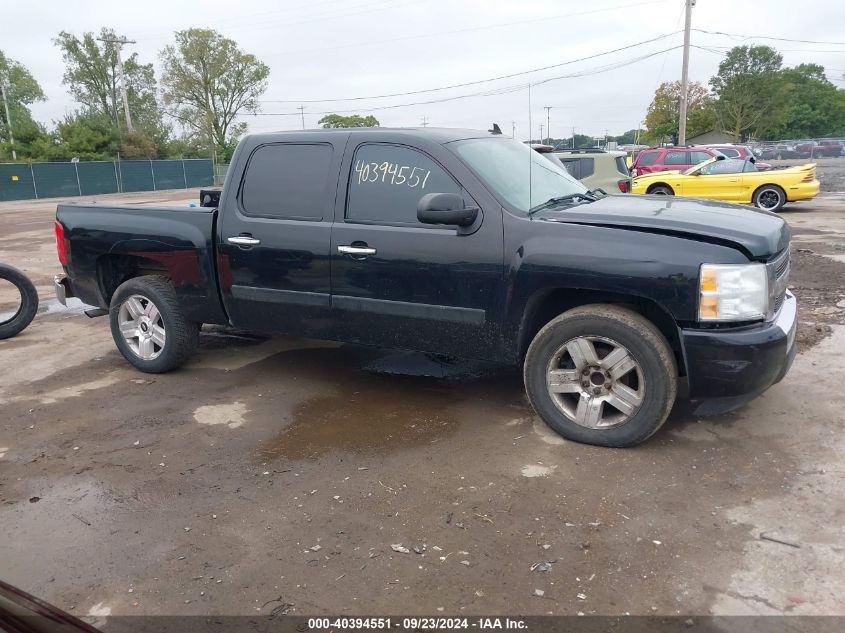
{"points": [[485, 93], [322, 16], [766, 37], [477, 82], [471, 29]]}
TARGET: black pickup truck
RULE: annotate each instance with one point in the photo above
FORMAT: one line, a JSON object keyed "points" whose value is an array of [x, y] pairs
{"points": [[454, 242]]}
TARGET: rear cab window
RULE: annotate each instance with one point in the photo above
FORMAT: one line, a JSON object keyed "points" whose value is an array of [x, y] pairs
{"points": [[287, 181], [387, 181]]}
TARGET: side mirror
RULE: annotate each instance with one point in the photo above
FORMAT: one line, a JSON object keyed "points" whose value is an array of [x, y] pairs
{"points": [[720, 157], [445, 208]]}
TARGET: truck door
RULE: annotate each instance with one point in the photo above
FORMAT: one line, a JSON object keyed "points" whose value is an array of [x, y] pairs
{"points": [[399, 283], [274, 238]]}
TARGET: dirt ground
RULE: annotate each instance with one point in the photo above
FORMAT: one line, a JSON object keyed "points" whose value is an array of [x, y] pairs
{"points": [[282, 472]]}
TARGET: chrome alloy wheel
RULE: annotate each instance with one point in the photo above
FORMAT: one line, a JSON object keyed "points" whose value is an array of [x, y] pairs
{"points": [[142, 327], [595, 382]]}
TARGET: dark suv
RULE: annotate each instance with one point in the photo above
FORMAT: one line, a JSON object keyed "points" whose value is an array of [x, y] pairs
{"points": [[656, 159]]}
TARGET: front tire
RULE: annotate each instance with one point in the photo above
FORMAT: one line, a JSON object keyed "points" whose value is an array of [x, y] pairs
{"points": [[661, 190], [769, 198], [25, 312], [601, 374], [148, 325]]}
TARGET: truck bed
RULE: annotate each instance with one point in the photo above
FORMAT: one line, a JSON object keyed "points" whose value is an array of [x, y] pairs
{"points": [[110, 243]]}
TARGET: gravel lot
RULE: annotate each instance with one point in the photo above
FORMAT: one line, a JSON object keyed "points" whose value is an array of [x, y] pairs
{"points": [[271, 472]]}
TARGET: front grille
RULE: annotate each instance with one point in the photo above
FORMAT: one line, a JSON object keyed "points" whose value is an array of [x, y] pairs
{"points": [[781, 264], [779, 277]]}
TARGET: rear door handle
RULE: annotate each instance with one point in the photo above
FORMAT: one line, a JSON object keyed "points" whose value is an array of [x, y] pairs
{"points": [[356, 250], [243, 240]]}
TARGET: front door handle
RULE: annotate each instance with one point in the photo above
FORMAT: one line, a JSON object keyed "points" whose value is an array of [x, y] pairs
{"points": [[243, 240], [356, 250]]}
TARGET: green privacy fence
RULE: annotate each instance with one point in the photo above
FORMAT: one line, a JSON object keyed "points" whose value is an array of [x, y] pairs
{"points": [[26, 181]]}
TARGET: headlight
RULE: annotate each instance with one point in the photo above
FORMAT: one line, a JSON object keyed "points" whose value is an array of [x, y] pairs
{"points": [[733, 292]]}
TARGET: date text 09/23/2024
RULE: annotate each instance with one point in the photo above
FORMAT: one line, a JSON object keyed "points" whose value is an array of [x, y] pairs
{"points": [[417, 623]]}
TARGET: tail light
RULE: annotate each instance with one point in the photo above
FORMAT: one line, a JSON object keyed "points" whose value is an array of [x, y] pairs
{"points": [[624, 186], [810, 177], [61, 244]]}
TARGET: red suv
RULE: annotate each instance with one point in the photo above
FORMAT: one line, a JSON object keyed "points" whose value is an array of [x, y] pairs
{"points": [[668, 158]]}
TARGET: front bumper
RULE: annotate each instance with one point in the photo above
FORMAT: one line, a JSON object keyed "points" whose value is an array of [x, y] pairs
{"points": [[727, 368]]}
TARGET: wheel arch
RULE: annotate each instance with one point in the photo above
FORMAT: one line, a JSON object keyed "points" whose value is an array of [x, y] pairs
{"points": [[770, 184], [654, 185], [545, 305], [114, 269]]}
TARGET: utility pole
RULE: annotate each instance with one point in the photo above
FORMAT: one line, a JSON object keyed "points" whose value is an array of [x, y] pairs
{"points": [[541, 133], [302, 114], [8, 122], [119, 45], [548, 124], [513, 129], [682, 125], [573, 137], [424, 122]]}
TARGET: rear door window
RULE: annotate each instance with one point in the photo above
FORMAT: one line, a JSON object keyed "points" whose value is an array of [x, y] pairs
{"points": [[287, 181], [730, 152], [699, 157], [588, 167], [676, 158], [573, 166], [387, 182]]}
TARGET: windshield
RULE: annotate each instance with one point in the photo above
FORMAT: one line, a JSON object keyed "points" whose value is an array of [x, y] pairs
{"points": [[503, 164]]}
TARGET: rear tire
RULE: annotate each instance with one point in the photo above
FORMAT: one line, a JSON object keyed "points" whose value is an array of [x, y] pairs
{"points": [[23, 316], [148, 325], [601, 374], [769, 198], [661, 190]]}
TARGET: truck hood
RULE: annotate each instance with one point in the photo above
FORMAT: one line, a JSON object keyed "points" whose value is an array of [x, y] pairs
{"points": [[759, 234]]}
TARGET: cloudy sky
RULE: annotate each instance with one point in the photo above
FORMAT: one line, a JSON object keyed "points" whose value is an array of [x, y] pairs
{"points": [[341, 49]]}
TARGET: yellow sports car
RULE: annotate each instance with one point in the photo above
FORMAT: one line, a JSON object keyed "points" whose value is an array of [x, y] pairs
{"points": [[734, 180]]}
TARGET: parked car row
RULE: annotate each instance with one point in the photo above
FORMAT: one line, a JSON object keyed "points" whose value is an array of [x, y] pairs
{"points": [[656, 159], [734, 180], [828, 148], [729, 173]]}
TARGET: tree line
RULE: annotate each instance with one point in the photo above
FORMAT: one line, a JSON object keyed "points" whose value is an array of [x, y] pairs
{"points": [[752, 97], [206, 81]]}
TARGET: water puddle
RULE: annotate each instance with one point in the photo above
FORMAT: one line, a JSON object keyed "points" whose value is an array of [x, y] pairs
{"points": [[373, 415]]}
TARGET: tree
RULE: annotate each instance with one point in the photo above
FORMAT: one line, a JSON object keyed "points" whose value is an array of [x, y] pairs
{"points": [[84, 135], [813, 106], [91, 73], [630, 137], [356, 120], [22, 90], [208, 81], [749, 91], [664, 113]]}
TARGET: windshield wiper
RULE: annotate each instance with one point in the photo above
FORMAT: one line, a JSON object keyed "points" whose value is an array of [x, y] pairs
{"points": [[551, 202]]}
